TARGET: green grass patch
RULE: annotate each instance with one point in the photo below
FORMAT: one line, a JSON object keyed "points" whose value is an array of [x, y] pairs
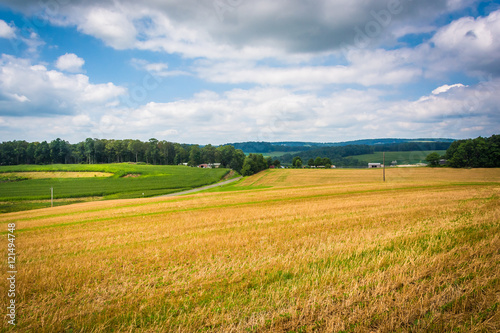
{"points": [[280, 153]]}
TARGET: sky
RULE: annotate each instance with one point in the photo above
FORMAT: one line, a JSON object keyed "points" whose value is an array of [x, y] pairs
{"points": [[219, 71]]}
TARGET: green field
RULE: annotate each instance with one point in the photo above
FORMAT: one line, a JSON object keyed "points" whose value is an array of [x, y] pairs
{"points": [[127, 181], [280, 153], [402, 157]]}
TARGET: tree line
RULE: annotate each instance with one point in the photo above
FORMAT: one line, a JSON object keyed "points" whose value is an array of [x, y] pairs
{"points": [[343, 155], [95, 151], [474, 153]]}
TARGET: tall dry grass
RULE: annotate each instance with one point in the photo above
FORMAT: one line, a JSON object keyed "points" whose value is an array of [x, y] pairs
{"points": [[317, 250]]}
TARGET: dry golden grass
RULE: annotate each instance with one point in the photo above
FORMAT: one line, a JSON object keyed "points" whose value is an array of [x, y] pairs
{"points": [[306, 250]]}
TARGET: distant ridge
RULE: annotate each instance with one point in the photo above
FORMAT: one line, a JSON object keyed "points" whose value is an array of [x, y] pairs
{"points": [[362, 142], [288, 146]]}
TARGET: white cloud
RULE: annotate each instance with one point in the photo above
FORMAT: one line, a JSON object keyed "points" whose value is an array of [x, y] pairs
{"points": [[447, 114], [6, 31], [33, 43], [257, 114], [20, 98], [368, 68], [445, 88], [158, 69], [36, 90], [70, 62], [306, 89], [111, 25], [246, 29], [276, 114], [468, 44]]}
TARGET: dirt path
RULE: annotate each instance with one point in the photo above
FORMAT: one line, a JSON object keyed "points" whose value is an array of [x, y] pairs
{"points": [[201, 188]]}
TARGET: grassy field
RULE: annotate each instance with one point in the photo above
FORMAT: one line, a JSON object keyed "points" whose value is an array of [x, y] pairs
{"points": [[281, 251], [28, 186], [402, 157], [279, 153]]}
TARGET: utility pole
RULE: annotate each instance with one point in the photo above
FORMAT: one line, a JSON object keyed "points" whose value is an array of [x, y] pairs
{"points": [[383, 161]]}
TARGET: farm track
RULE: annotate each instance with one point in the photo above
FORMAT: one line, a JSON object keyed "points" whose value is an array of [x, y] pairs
{"points": [[203, 188]]}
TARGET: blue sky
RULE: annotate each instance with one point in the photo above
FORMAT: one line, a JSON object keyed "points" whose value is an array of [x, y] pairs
{"points": [[218, 71]]}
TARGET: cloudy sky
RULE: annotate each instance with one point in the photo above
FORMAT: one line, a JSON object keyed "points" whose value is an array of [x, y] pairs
{"points": [[218, 71]]}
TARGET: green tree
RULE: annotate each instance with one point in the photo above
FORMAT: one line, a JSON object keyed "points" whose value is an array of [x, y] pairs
{"points": [[433, 159], [237, 160], [475, 153], [318, 161], [135, 147], [42, 153], [195, 156], [297, 162], [208, 154], [327, 162], [99, 151], [181, 154], [249, 167], [7, 154], [310, 162], [30, 152], [269, 161], [152, 151], [89, 150], [167, 152], [59, 151], [78, 152], [226, 154]]}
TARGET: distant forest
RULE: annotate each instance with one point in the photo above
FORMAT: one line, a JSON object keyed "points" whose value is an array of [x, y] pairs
{"points": [[294, 146], [95, 151], [342, 156], [479, 152], [475, 153]]}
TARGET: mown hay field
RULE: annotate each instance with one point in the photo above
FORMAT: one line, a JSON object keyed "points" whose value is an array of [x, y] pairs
{"points": [[281, 251]]}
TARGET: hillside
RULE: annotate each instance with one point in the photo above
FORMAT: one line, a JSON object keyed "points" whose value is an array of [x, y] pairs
{"points": [[281, 251], [25, 187], [289, 146], [349, 155], [401, 157]]}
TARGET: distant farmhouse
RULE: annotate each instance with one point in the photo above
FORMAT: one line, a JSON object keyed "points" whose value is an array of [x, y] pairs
{"points": [[209, 166], [374, 165]]}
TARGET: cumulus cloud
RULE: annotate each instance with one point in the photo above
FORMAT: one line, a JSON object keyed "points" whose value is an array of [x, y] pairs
{"points": [[275, 114], [110, 25], [6, 31], [70, 62], [244, 28], [268, 114], [290, 53], [29, 89], [368, 68], [461, 109], [468, 44]]}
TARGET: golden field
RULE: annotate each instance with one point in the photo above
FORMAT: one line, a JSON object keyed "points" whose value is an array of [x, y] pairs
{"points": [[281, 251]]}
